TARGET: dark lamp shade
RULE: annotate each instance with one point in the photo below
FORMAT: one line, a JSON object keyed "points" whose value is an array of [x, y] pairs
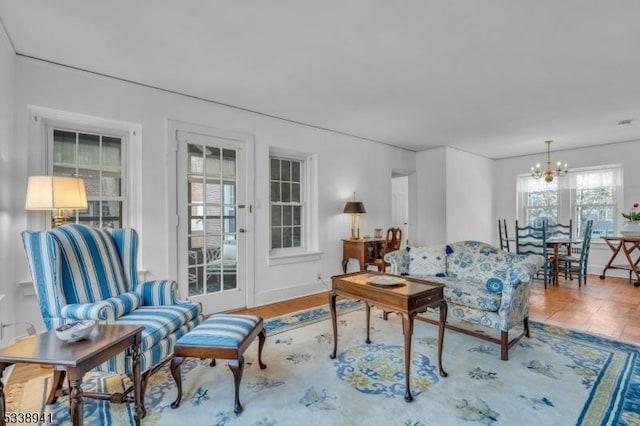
{"points": [[354, 207]]}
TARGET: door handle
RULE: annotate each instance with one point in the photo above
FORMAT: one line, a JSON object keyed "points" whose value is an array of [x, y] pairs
{"points": [[242, 230]]}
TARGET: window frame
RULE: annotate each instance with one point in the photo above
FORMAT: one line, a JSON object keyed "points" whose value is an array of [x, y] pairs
{"points": [[308, 249], [567, 193], [123, 198], [41, 155]]}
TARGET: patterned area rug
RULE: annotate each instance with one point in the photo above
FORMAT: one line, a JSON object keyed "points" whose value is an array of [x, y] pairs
{"points": [[557, 377]]}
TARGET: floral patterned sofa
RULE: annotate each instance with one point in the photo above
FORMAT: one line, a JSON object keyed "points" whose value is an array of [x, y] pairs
{"points": [[483, 285]]}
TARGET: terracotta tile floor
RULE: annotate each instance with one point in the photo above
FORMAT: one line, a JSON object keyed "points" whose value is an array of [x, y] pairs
{"points": [[609, 307]]}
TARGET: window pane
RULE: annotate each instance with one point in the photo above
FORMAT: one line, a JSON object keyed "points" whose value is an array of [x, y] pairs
{"points": [[64, 147], [275, 169], [275, 192], [295, 171], [286, 192], [276, 239], [276, 215], [195, 160], [297, 236], [213, 195], [229, 193], [297, 215], [111, 148], [229, 162], [286, 170], [195, 191], [287, 236], [110, 184], [88, 150], [287, 215], [212, 156], [295, 192]]}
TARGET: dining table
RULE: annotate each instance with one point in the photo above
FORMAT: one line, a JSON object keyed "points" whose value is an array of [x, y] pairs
{"points": [[555, 244]]}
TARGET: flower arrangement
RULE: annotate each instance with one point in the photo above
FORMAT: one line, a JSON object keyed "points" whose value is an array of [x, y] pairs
{"points": [[634, 213]]}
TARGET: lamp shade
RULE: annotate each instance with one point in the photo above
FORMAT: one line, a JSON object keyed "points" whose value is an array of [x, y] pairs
{"points": [[354, 207], [55, 192]]}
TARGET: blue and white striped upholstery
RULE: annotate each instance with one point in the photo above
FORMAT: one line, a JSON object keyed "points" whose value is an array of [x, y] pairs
{"points": [[80, 272], [222, 330]]}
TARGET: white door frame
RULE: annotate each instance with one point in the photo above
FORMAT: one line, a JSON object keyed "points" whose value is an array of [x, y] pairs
{"points": [[172, 178]]}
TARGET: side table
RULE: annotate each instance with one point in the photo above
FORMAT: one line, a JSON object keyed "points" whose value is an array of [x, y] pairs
{"points": [[363, 250], [626, 245], [76, 358]]}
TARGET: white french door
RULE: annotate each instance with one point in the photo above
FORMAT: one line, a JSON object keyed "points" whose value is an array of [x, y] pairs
{"points": [[212, 223]]}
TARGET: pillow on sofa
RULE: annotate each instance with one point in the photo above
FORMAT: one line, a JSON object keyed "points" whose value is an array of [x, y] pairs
{"points": [[428, 261]]}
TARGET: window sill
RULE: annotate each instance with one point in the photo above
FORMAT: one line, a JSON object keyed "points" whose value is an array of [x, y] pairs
{"points": [[284, 259]]}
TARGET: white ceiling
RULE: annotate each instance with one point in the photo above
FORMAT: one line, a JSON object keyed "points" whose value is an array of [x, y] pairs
{"points": [[491, 77]]}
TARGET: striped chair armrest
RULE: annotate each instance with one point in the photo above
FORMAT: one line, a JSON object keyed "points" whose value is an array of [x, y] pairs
{"points": [[99, 311], [158, 293]]}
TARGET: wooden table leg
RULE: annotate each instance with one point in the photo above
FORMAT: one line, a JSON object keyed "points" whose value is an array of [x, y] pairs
{"points": [[367, 310], [334, 323], [3, 407], [137, 388], [407, 326], [76, 405], [443, 321]]}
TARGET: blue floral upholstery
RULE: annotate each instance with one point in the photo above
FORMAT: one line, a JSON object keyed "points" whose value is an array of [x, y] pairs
{"points": [[428, 261], [82, 272], [483, 285]]}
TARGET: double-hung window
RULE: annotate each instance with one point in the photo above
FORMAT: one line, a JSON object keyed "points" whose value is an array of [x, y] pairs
{"points": [[589, 193], [287, 203], [98, 158], [595, 195]]}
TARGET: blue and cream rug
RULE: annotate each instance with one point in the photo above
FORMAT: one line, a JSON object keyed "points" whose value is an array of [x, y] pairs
{"points": [[557, 377]]}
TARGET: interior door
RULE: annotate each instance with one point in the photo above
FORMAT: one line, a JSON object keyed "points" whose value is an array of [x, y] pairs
{"points": [[212, 220], [400, 205]]}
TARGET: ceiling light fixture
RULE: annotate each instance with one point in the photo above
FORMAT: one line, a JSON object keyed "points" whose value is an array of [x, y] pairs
{"points": [[549, 173]]}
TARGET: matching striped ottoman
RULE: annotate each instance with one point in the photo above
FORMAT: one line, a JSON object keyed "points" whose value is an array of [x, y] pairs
{"points": [[223, 336]]}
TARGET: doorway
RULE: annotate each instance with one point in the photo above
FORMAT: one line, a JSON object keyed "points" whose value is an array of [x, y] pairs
{"points": [[212, 220], [400, 204]]}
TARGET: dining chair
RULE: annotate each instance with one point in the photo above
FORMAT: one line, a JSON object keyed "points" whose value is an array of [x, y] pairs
{"points": [[392, 243], [533, 240], [504, 236], [576, 265], [558, 230]]}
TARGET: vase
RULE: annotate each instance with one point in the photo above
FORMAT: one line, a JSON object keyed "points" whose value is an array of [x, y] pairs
{"points": [[631, 228]]}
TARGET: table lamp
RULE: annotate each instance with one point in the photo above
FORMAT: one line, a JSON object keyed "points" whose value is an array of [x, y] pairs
{"points": [[55, 193], [355, 209]]}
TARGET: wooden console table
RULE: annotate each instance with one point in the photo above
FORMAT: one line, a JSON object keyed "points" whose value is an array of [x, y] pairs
{"points": [[76, 358], [627, 245], [363, 250]]}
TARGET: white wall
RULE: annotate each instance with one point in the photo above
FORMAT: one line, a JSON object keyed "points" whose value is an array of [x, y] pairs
{"points": [[8, 179], [431, 185], [455, 196], [469, 197], [626, 153], [345, 164]]}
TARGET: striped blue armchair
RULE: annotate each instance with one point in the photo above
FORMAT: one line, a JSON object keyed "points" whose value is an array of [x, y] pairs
{"points": [[82, 272]]}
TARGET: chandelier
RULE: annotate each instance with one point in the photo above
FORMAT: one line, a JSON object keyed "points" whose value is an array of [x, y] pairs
{"points": [[549, 173]]}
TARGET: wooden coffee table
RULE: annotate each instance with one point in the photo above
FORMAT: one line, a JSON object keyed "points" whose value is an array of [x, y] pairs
{"points": [[104, 342], [407, 299]]}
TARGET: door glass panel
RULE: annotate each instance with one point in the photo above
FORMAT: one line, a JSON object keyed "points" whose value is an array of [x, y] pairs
{"points": [[212, 219]]}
